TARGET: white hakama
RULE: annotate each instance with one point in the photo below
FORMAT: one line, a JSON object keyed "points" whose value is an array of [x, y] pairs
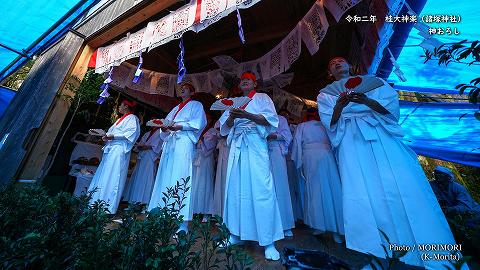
{"points": [[313, 156], [109, 179], [251, 209], [277, 150], [203, 173], [221, 173], [294, 182], [384, 186], [177, 155], [143, 177]]}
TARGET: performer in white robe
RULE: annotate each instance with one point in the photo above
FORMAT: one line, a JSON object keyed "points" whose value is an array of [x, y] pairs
{"points": [[384, 186], [221, 172], [204, 171], [143, 176], [109, 179], [313, 156], [251, 209], [278, 143], [178, 150], [294, 181]]}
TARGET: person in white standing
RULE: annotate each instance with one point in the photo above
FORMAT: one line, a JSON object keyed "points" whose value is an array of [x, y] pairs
{"points": [[109, 180], [293, 177], [204, 170], [176, 162], [384, 186], [251, 209], [278, 143], [221, 172], [313, 156], [143, 176]]}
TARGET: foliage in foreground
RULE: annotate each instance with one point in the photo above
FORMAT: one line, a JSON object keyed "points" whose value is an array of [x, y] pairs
{"points": [[38, 231]]}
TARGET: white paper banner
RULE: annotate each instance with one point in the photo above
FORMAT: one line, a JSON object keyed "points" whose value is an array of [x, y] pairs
{"points": [[314, 27], [339, 7], [276, 66], [168, 28], [291, 48], [164, 84]]}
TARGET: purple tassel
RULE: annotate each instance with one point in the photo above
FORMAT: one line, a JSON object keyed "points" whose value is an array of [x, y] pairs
{"points": [[181, 64], [240, 28], [106, 84], [138, 72], [101, 100]]}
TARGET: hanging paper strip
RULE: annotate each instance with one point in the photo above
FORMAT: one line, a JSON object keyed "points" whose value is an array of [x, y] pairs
{"points": [[314, 27], [138, 72], [180, 61], [291, 48], [339, 7], [276, 66], [201, 82], [240, 28], [106, 84], [144, 84], [164, 84], [121, 75]]}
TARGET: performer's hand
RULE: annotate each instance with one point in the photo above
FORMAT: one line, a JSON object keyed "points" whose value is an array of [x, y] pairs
{"points": [[272, 137], [175, 127], [164, 128], [238, 113], [342, 101], [360, 98], [107, 138]]}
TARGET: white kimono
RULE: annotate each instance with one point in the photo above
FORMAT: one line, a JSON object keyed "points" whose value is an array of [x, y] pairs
{"points": [[143, 177], [294, 182], [384, 186], [203, 173], [314, 158], [278, 149], [177, 154], [110, 177], [221, 173], [251, 209]]}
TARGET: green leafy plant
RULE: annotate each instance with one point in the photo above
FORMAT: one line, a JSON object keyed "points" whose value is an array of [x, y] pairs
{"points": [[82, 92], [392, 259], [39, 231], [459, 52]]}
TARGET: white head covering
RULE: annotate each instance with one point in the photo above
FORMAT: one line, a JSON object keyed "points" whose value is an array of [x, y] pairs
{"points": [[445, 170]]}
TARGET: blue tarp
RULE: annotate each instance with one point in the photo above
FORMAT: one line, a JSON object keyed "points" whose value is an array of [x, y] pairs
{"points": [[28, 27], [6, 95], [446, 131], [431, 77]]}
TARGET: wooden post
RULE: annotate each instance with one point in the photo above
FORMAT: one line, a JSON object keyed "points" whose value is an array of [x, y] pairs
{"points": [[20, 126]]}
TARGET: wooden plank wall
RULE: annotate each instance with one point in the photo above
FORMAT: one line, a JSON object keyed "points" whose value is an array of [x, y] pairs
{"points": [[27, 113], [32, 168]]}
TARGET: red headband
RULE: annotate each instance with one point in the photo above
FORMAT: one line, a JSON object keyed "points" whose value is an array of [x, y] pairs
{"points": [[190, 86], [131, 104], [336, 58], [249, 75]]}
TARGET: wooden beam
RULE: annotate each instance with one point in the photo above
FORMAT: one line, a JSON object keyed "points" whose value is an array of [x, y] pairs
{"points": [[166, 59], [125, 23], [259, 36]]}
